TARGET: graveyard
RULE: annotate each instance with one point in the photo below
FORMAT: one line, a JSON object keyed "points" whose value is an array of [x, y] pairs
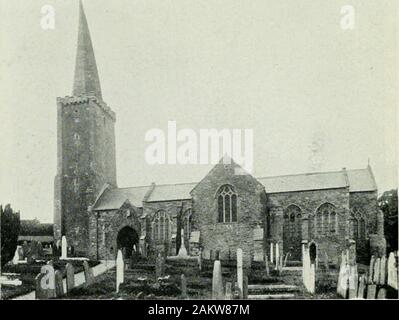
{"points": [[35, 273]]}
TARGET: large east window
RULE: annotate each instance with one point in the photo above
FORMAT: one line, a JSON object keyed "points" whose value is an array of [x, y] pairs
{"points": [[227, 204]]}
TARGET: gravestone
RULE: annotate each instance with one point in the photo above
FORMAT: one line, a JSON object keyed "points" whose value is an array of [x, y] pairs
{"points": [[88, 272], [120, 270], [240, 272], [377, 265], [371, 291], [277, 255], [229, 293], [245, 287], [15, 259], [383, 268], [217, 281], [361, 288], [382, 294], [353, 282], [59, 286], [200, 260], [267, 265], [271, 252], [45, 283], [183, 286], [286, 258], [371, 270], [182, 250], [342, 285], [21, 253], [64, 248], [70, 277], [159, 266], [392, 271]]}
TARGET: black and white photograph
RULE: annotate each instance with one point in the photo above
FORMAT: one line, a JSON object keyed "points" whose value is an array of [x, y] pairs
{"points": [[226, 150]]}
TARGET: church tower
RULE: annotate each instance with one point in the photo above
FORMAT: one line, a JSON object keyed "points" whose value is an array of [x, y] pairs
{"points": [[85, 147]]}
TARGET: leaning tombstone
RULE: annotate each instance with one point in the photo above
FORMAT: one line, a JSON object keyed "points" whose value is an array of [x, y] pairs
{"points": [[88, 272], [217, 281], [371, 291], [376, 277], [392, 271], [361, 287], [59, 286], [383, 268], [70, 277], [371, 270]]}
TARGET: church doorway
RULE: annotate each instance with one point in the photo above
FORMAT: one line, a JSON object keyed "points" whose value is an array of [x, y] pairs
{"points": [[127, 241]]}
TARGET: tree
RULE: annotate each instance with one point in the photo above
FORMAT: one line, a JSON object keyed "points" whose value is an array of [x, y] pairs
{"points": [[9, 229], [388, 203]]}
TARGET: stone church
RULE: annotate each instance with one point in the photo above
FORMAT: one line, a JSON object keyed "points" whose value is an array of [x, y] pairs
{"points": [[329, 211]]}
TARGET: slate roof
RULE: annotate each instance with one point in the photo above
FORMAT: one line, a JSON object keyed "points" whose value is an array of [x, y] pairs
{"points": [[359, 180]]}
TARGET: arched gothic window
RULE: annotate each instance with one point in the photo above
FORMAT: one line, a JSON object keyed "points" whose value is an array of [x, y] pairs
{"points": [[326, 219], [358, 223], [161, 226], [227, 204], [292, 231]]}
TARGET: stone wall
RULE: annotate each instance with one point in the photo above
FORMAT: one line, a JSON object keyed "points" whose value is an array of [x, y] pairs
{"points": [[227, 237], [309, 202]]}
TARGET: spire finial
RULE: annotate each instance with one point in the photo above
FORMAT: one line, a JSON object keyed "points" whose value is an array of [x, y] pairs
{"points": [[86, 81]]}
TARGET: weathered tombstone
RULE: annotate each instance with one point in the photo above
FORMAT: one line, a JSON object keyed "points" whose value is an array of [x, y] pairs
{"points": [[382, 294], [182, 250], [200, 260], [383, 268], [377, 265], [267, 265], [59, 286], [312, 279], [277, 255], [392, 271], [159, 266], [371, 291], [217, 281], [70, 277], [21, 253], [353, 282], [64, 248], [120, 270], [240, 271], [371, 270], [45, 283], [229, 293], [245, 287], [342, 285], [88, 272], [361, 288], [183, 286]]}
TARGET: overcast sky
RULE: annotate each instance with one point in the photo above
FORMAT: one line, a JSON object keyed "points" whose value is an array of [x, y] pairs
{"points": [[317, 97]]}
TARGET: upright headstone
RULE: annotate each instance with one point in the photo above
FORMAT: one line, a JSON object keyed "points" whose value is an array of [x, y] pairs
{"points": [[312, 279], [371, 270], [240, 271], [64, 248], [277, 255], [159, 266], [200, 260], [70, 277], [59, 286], [217, 281], [88, 272], [342, 285], [182, 250], [353, 282], [229, 293], [382, 294], [120, 270], [377, 265], [267, 265], [371, 291], [361, 288], [392, 271], [383, 270], [183, 286]]}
